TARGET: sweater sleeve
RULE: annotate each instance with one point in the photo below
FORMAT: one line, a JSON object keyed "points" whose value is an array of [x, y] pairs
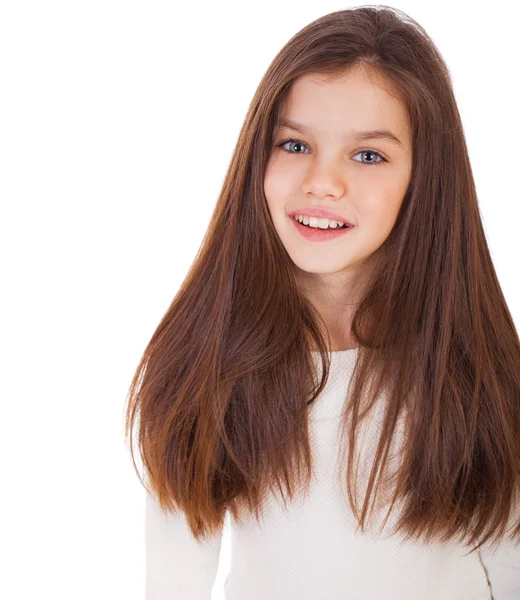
{"points": [[502, 564], [177, 566]]}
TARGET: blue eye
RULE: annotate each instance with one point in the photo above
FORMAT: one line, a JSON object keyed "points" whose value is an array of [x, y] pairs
{"points": [[282, 144], [369, 164]]}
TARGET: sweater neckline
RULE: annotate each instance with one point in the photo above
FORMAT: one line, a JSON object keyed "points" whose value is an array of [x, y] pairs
{"points": [[346, 352], [330, 403]]}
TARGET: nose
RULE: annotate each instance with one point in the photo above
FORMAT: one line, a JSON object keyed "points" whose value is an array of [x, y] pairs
{"points": [[324, 180]]}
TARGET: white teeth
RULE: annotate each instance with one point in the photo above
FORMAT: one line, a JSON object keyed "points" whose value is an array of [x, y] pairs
{"points": [[319, 223]]}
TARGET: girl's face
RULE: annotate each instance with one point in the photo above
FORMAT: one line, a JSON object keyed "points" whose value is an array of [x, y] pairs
{"points": [[324, 163]]}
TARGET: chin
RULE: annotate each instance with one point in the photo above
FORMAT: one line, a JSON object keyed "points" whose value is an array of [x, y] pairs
{"points": [[315, 268]]}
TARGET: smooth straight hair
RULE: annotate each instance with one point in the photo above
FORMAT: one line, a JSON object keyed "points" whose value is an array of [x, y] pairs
{"points": [[219, 401]]}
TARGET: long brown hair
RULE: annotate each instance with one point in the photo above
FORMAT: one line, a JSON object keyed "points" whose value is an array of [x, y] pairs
{"points": [[223, 387]]}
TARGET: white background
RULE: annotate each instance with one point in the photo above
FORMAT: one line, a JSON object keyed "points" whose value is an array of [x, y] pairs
{"points": [[117, 123]]}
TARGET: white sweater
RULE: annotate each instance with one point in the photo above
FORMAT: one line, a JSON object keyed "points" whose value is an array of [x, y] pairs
{"points": [[312, 551]]}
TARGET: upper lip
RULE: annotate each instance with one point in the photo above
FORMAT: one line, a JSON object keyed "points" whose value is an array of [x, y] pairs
{"points": [[319, 213]]}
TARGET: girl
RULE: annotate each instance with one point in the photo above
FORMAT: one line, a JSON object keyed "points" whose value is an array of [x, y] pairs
{"points": [[344, 297]]}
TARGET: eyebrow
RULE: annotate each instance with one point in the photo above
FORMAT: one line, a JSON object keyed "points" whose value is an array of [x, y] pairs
{"points": [[372, 134]]}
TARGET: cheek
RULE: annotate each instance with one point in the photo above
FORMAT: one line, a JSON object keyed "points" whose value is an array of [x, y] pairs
{"points": [[280, 178], [270, 181], [274, 194], [379, 214], [277, 189], [384, 202]]}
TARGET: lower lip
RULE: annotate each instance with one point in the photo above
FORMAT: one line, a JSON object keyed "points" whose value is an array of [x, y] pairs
{"points": [[315, 234]]}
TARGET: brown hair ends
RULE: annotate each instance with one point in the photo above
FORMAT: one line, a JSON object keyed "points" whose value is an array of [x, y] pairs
{"points": [[219, 400]]}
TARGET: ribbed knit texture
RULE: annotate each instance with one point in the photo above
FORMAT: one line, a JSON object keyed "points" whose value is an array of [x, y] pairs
{"points": [[312, 551]]}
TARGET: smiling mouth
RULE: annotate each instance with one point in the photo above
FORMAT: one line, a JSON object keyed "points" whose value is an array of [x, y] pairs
{"points": [[319, 234], [328, 228], [345, 226]]}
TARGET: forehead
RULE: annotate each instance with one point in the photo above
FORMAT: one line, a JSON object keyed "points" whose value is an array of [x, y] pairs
{"points": [[358, 99]]}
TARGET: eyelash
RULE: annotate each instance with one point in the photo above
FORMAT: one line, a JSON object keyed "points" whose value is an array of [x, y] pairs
{"points": [[382, 161]]}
